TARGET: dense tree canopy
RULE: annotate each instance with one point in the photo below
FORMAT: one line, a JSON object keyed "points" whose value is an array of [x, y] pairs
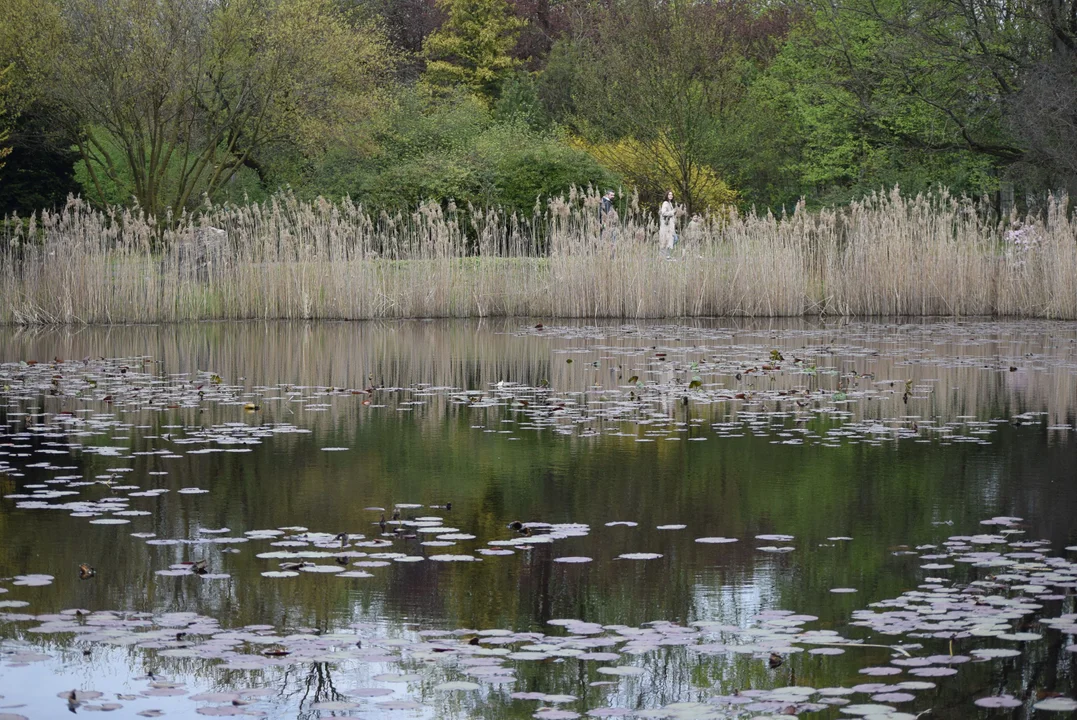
{"points": [[179, 97], [471, 48], [660, 80], [166, 103], [5, 129]]}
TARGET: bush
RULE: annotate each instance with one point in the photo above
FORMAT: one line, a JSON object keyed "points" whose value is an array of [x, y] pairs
{"points": [[652, 169], [455, 148]]}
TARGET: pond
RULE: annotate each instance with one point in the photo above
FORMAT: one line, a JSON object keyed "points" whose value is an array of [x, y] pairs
{"points": [[511, 519]]}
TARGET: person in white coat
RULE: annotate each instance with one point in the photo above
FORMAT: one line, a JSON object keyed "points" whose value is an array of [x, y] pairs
{"points": [[667, 224]]}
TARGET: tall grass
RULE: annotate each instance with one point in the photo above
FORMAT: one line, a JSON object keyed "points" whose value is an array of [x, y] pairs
{"points": [[886, 255]]}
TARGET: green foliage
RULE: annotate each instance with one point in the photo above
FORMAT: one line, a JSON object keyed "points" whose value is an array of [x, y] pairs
{"points": [[5, 120], [171, 101], [556, 86], [661, 79], [759, 148], [179, 97], [119, 187], [115, 189], [455, 148], [525, 166], [828, 120], [472, 48], [29, 36], [520, 101], [39, 172], [653, 168]]}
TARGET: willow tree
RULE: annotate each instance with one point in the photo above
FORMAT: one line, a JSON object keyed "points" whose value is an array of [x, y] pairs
{"points": [[173, 97]]}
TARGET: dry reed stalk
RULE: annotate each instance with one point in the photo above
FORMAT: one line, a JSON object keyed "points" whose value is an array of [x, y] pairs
{"points": [[286, 259]]}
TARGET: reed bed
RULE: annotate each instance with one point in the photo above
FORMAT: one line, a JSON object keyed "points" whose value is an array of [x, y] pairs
{"points": [[286, 259]]}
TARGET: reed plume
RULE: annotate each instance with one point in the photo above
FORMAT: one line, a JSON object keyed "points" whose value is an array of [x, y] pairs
{"points": [[287, 259]]}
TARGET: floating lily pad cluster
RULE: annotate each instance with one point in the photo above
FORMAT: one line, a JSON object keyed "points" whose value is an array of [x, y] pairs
{"points": [[461, 661], [979, 614], [1004, 599], [734, 389]]}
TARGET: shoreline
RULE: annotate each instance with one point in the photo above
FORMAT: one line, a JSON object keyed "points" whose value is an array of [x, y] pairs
{"points": [[819, 320], [888, 256]]}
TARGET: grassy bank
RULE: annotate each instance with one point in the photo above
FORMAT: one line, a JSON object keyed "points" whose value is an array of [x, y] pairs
{"points": [[888, 255]]}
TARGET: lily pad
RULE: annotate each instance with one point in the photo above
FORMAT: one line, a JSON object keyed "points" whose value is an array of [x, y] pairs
{"points": [[397, 677], [1056, 704], [457, 685], [623, 670], [998, 701], [991, 653]]}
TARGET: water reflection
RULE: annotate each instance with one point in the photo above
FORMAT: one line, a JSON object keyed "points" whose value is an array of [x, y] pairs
{"points": [[713, 466]]}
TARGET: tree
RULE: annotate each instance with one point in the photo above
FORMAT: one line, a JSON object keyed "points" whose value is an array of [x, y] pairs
{"points": [[172, 97], [930, 73], [39, 173], [1044, 115], [1043, 111], [956, 91], [544, 22], [407, 24], [453, 147], [27, 38], [664, 77], [472, 47], [5, 130], [653, 167]]}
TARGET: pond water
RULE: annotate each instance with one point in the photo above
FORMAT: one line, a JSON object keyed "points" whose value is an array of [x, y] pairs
{"points": [[502, 520]]}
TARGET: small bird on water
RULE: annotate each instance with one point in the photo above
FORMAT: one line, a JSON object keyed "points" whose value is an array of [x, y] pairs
{"points": [[775, 660], [86, 572]]}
